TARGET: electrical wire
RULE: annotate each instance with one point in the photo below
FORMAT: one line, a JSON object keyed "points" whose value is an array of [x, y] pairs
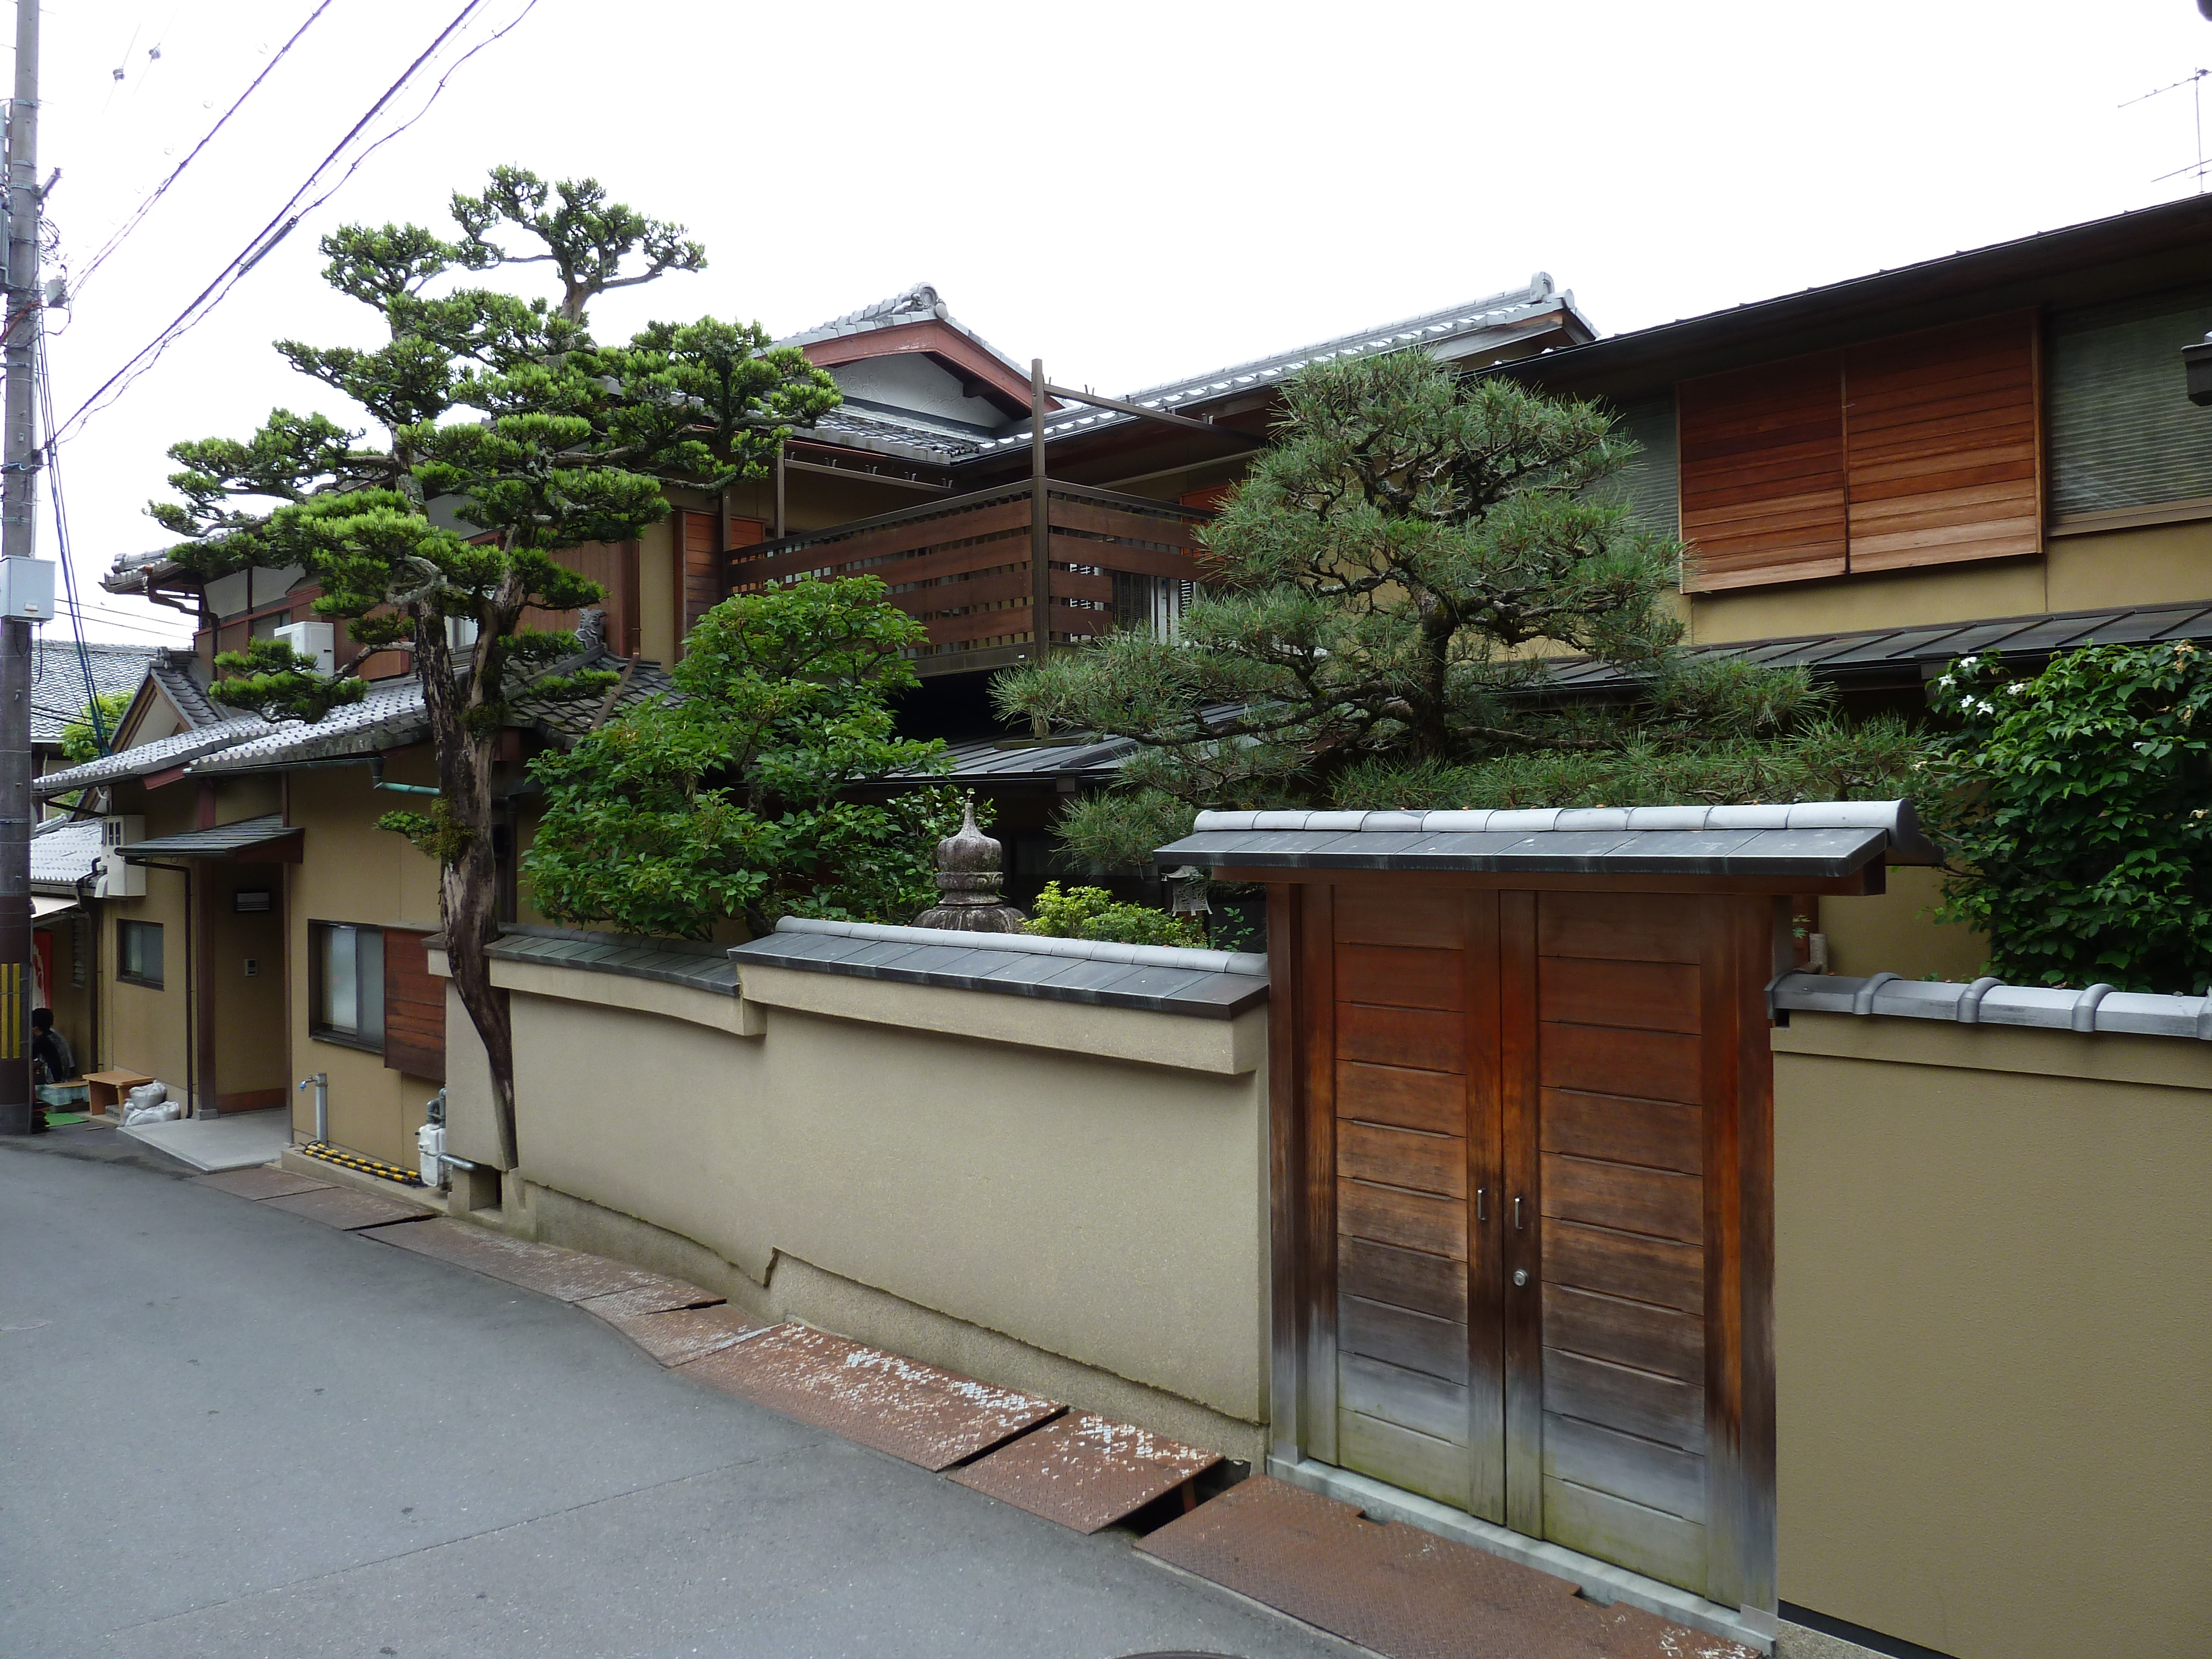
{"points": [[145, 207], [44, 380], [264, 240]]}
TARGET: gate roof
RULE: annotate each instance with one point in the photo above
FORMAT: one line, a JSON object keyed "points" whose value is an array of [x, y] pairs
{"points": [[1816, 839]]}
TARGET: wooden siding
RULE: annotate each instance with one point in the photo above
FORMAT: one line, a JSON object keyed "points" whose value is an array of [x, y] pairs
{"points": [[963, 566], [1919, 449], [414, 1007], [1762, 473], [1942, 446], [613, 565]]}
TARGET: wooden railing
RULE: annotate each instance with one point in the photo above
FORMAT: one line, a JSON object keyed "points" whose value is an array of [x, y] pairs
{"points": [[962, 566]]}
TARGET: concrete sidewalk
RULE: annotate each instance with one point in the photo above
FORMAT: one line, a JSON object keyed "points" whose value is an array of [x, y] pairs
{"points": [[241, 1432]]}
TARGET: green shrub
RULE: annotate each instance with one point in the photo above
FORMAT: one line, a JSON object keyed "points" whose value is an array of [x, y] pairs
{"points": [[1093, 912], [2077, 816]]}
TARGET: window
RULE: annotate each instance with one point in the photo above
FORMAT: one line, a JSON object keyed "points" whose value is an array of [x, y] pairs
{"points": [[346, 971], [139, 953]]}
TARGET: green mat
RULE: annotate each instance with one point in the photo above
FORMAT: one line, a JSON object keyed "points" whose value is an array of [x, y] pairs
{"points": [[62, 1118]]}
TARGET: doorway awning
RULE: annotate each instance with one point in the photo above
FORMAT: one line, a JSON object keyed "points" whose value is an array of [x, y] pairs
{"points": [[253, 841], [47, 904], [1818, 839]]}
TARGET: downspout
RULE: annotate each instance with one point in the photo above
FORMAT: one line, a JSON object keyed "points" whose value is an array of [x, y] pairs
{"points": [[376, 781], [91, 971], [192, 1027]]}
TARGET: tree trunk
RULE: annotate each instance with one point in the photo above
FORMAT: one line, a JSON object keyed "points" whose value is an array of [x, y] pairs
{"points": [[468, 886], [469, 901]]}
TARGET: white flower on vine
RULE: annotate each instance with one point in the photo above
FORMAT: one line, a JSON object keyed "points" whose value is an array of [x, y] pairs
{"points": [[1968, 662], [1945, 682], [1989, 708], [2019, 688], [1965, 705]]}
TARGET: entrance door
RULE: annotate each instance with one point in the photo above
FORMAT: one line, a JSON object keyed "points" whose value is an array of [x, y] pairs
{"points": [[1614, 1143], [1419, 1361], [1532, 1116]]}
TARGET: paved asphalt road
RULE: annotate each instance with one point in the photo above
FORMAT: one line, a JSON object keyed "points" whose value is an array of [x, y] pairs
{"points": [[231, 1431]]}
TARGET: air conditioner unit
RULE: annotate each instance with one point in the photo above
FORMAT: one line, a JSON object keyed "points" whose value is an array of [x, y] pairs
{"points": [[318, 639], [119, 878]]}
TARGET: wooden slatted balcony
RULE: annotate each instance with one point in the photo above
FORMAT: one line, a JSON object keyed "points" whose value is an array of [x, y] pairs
{"points": [[962, 566]]}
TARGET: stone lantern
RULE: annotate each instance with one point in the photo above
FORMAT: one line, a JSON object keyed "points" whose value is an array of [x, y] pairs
{"points": [[968, 880]]}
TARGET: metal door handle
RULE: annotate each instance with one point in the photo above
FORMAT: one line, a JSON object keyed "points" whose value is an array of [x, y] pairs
{"points": [[1481, 1204], [1520, 1276], [1516, 1212]]}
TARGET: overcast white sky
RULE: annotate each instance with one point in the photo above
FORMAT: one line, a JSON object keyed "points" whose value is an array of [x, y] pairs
{"points": [[1133, 191]]}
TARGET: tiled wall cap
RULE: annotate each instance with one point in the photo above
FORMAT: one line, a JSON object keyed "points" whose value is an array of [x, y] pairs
{"points": [[1087, 950], [1667, 817], [1592, 819], [1749, 817], [1989, 1002], [1524, 821]]}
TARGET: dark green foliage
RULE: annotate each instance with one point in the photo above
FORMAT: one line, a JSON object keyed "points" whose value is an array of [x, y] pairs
{"points": [[507, 434], [1388, 577], [1093, 912], [2078, 815], [731, 802], [80, 738]]}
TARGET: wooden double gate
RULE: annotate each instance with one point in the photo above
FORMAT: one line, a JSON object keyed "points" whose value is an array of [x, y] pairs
{"points": [[1523, 1217]]}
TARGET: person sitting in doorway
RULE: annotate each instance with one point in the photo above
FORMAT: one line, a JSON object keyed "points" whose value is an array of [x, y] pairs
{"points": [[51, 1055]]}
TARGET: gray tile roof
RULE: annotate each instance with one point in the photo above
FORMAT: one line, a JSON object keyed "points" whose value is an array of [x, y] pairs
{"points": [[1989, 1001], [1456, 331], [921, 303], [673, 962], [218, 842], [1888, 651], [178, 673], [390, 716], [64, 852], [1206, 984], [1815, 839], [59, 691]]}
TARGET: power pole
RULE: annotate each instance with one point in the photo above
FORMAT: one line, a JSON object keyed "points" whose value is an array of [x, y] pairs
{"points": [[19, 541]]}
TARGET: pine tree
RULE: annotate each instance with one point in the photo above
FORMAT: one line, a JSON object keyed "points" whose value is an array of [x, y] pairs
{"points": [[1384, 592], [500, 415]]}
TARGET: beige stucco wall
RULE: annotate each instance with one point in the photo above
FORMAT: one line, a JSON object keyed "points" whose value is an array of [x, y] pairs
{"points": [[1895, 932], [1089, 1183], [2151, 564], [1993, 1313], [353, 872], [142, 1029]]}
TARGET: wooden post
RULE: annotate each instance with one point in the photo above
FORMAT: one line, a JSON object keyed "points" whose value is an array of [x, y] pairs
{"points": [[779, 492], [1040, 524]]}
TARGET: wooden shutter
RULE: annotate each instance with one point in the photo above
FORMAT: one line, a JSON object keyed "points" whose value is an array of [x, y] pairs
{"points": [[1940, 447], [699, 579], [1763, 474], [414, 1007]]}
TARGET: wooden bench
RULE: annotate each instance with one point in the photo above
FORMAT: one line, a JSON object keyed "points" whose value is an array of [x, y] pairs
{"points": [[105, 1091]]}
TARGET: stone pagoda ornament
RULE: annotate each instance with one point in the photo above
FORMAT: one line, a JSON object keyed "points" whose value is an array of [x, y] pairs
{"points": [[968, 879]]}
